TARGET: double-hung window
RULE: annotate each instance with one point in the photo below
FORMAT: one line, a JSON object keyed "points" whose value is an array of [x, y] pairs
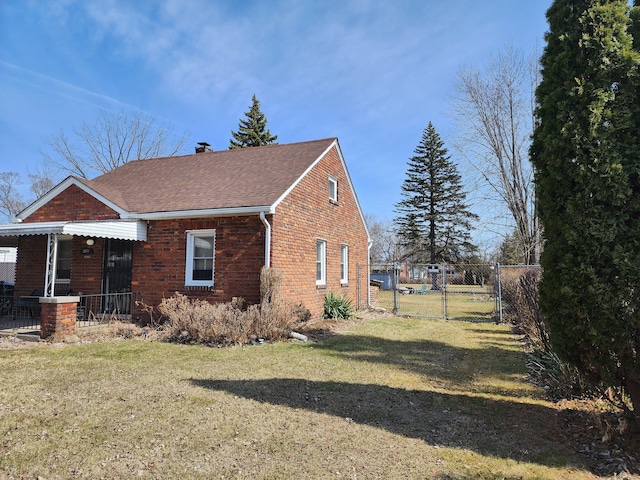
{"points": [[321, 262], [344, 264], [201, 246]]}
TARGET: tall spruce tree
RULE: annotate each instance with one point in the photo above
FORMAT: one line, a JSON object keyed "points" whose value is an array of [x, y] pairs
{"points": [[434, 222], [252, 131], [586, 154]]}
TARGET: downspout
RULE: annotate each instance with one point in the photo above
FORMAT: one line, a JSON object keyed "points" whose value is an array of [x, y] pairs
{"points": [[267, 241]]}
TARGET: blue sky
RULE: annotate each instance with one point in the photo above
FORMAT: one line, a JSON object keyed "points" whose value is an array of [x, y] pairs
{"points": [[372, 73]]}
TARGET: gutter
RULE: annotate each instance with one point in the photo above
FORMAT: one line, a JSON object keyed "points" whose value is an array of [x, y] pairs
{"points": [[267, 240]]}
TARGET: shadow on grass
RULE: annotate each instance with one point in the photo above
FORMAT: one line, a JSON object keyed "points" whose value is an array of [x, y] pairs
{"points": [[505, 429], [434, 360]]}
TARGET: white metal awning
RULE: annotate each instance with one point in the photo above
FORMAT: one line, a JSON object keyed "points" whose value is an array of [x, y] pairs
{"points": [[120, 229]]}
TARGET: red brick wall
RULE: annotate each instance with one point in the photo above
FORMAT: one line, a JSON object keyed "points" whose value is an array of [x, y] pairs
{"points": [[31, 264], [86, 270], [306, 215], [159, 263], [72, 204]]}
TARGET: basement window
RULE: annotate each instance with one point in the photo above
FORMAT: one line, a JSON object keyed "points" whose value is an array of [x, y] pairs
{"points": [[201, 245]]}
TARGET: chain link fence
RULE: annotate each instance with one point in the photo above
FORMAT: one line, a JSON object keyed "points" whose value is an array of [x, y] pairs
{"points": [[467, 292], [7, 272]]}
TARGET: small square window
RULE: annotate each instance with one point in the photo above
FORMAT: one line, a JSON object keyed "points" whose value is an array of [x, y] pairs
{"points": [[333, 189]]}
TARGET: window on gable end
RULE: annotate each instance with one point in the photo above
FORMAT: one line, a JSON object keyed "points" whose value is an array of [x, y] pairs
{"points": [[199, 269], [333, 189]]}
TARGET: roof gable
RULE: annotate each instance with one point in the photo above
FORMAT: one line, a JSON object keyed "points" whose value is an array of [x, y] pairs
{"points": [[231, 181], [67, 183], [227, 179]]}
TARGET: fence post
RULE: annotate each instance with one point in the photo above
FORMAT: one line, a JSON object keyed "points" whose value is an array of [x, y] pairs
{"points": [[358, 286], [394, 285], [445, 312], [499, 291]]}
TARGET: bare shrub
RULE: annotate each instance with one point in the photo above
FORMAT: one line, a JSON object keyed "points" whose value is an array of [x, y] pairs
{"points": [[276, 317], [523, 310], [198, 321]]}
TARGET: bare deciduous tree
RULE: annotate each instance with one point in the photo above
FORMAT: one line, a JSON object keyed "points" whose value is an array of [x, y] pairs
{"points": [[10, 199], [495, 111], [112, 141], [41, 181], [384, 239]]}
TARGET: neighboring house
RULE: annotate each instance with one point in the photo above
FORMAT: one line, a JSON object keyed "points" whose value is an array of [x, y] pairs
{"points": [[203, 225]]}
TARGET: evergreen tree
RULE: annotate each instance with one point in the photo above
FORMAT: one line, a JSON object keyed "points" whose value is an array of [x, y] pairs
{"points": [[586, 153], [510, 250], [252, 130], [434, 222]]}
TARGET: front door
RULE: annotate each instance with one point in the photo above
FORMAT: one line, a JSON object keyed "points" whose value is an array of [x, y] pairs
{"points": [[116, 283]]}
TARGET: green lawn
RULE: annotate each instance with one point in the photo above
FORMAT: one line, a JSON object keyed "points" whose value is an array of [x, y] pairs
{"points": [[388, 398]]}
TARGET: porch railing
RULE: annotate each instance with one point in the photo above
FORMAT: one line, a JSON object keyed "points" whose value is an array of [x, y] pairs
{"points": [[23, 314], [103, 308]]}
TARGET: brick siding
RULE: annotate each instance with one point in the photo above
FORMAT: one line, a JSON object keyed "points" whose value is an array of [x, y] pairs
{"points": [[73, 204], [159, 263], [302, 218], [305, 216]]}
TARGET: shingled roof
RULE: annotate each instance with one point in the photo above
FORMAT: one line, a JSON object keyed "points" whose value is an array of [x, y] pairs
{"points": [[245, 177]]}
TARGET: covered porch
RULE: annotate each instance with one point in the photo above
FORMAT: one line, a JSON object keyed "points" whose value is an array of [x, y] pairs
{"points": [[70, 274]]}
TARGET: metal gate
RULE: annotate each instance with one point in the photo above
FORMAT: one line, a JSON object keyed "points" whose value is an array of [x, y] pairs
{"points": [[118, 264], [468, 292]]}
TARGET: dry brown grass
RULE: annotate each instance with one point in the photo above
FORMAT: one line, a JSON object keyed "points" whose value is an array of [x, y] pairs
{"points": [[386, 398]]}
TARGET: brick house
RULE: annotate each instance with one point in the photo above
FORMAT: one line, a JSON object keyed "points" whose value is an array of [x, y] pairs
{"points": [[203, 225]]}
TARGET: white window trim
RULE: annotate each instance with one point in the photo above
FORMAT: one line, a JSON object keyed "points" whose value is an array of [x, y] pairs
{"points": [[188, 271], [323, 262], [344, 264], [333, 180]]}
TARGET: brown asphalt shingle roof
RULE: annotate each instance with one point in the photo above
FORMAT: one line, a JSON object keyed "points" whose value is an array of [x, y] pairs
{"points": [[244, 177]]}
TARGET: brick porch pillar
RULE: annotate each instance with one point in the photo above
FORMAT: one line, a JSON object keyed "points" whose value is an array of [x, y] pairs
{"points": [[58, 316]]}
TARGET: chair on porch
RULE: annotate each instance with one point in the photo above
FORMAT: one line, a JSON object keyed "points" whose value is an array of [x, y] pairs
{"points": [[29, 303]]}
